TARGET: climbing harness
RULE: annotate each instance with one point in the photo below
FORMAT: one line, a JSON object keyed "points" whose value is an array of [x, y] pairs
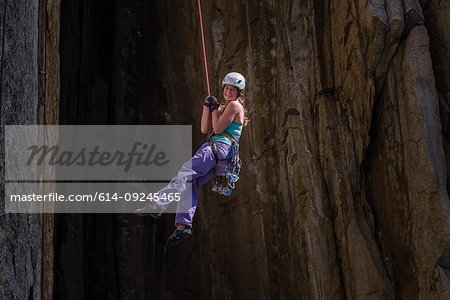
{"points": [[225, 183]]}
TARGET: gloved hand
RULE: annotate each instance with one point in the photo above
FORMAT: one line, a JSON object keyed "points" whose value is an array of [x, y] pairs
{"points": [[212, 103], [214, 106], [209, 101]]}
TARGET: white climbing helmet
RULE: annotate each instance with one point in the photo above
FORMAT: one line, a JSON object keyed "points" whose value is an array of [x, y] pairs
{"points": [[234, 79]]}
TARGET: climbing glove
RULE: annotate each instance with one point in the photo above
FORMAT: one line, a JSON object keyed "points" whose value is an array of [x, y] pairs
{"points": [[211, 103], [214, 106]]}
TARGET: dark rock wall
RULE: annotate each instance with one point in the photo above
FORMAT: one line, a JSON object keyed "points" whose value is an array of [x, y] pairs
{"points": [[436, 13], [115, 66], [20, 247], [48, 114]]}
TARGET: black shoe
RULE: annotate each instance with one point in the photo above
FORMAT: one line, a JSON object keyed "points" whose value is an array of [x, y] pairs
{"points": [[178, 235], [150, 211], [155, 215]]}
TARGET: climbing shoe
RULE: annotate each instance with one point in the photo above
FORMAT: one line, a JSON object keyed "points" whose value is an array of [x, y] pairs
{"points": [[151, 209], [178, 235]]}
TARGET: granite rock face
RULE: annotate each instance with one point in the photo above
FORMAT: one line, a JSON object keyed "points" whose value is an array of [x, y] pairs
{"points": [[344, 191], [346, 181], [344, 188], [20, 245]]}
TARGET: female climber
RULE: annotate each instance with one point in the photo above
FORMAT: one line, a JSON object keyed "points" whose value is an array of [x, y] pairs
{"points": [[224, 123]]}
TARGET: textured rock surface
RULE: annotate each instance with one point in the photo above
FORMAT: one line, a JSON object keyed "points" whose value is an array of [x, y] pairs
{"points": [[414, 197], [20, 248], [48, 113], [344, 191], [437, 14]]}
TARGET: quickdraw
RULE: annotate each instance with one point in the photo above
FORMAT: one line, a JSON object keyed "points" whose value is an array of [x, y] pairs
{"points": [[225, 183]]}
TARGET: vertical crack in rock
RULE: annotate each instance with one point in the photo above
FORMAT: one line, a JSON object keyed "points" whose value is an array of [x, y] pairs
{"points": [[444, 262], [395, 28]]}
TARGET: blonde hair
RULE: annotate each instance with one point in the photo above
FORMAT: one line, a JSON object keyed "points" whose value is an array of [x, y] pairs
{"points": [[241, 98]]}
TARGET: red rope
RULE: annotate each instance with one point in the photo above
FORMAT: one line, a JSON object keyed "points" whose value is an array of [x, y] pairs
{"points": [[204, 50]]}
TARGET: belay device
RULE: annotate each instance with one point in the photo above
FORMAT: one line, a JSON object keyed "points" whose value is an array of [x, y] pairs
{"points": [[225, 183]]}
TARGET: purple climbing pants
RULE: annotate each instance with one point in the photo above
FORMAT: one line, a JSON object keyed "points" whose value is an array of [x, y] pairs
{"points": [[191, 176]]}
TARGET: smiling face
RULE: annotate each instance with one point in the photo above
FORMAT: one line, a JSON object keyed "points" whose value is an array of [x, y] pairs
{"points": [[230, 92]]}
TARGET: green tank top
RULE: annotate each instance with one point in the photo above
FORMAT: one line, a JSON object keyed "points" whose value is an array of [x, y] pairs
{"points": [[234, 129]]}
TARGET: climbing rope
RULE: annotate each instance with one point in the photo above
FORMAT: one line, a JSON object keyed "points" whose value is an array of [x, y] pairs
{"points": [[223, 184], [204, 49]]}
